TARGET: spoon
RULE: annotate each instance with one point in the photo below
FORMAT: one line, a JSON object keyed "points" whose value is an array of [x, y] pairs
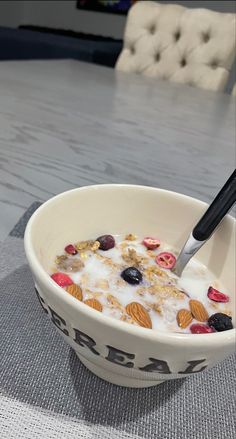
{"points": [[208, 223]]}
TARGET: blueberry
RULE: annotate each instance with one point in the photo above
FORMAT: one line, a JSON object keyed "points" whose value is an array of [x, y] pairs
{"points": [[132, 275], [106, 242], [220, 321]]}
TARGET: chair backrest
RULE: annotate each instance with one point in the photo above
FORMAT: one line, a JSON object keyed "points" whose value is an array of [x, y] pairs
{"points": [[193, 46]]}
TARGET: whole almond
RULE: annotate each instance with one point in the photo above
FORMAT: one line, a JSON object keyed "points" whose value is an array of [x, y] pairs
{"points": [[198, 310], [184, 318], [139, 314], [75, 291], [94, 303]]}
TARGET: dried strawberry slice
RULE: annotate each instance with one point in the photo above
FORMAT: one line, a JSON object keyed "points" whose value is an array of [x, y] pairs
{"points": [[198, 328], [166, 260], [62, 279], [151, 243], [216, 295], [70, 249]]}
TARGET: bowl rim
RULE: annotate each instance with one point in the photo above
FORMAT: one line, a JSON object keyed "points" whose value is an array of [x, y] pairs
{"points": [[195, 340]]}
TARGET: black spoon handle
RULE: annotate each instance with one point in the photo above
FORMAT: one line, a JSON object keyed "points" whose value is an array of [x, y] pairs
{"points": [[217, 210]]}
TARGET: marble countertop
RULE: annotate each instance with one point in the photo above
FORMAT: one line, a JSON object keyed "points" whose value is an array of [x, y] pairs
{"points": [[65, 124]]}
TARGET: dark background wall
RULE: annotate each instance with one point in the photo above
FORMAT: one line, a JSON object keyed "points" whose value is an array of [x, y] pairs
{"points": [[63, 14]]}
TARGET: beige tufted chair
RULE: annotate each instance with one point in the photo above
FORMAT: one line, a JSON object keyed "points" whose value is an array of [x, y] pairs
{"points": [[193, 46]]}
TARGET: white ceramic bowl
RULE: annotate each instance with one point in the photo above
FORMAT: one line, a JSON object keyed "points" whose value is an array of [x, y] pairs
{"points": [[118, 352]]}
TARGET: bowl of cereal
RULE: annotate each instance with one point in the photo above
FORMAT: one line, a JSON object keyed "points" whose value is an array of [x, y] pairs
{"points": [[102, 258]]}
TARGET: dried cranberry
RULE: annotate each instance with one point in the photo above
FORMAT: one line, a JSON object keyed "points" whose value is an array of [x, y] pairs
{"points": [[151, 243], [166, 260], [106, 242], [198, 328], [216, 295], [62, 279], [70, 249]]}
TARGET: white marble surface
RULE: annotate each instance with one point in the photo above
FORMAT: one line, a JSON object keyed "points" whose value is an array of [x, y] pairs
{"points": [[65, 124]]}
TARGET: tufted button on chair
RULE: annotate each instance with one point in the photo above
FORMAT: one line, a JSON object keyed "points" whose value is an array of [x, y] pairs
{"points": [[192, 46]]}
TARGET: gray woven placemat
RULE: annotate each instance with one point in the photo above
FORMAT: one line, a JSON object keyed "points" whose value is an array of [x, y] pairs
{"points": [[45, 392]]}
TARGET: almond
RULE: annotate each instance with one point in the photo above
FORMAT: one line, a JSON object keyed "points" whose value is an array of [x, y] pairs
{"points": [[139, 314], [184, 318], [94, 303], [75, 291], [198, 310]]}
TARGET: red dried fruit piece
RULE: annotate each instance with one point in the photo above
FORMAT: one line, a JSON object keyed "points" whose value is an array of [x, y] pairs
{"points": [[198, 328], [62, 279], [70, 249], [166, 260], [217, 296], [151, 243]]}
